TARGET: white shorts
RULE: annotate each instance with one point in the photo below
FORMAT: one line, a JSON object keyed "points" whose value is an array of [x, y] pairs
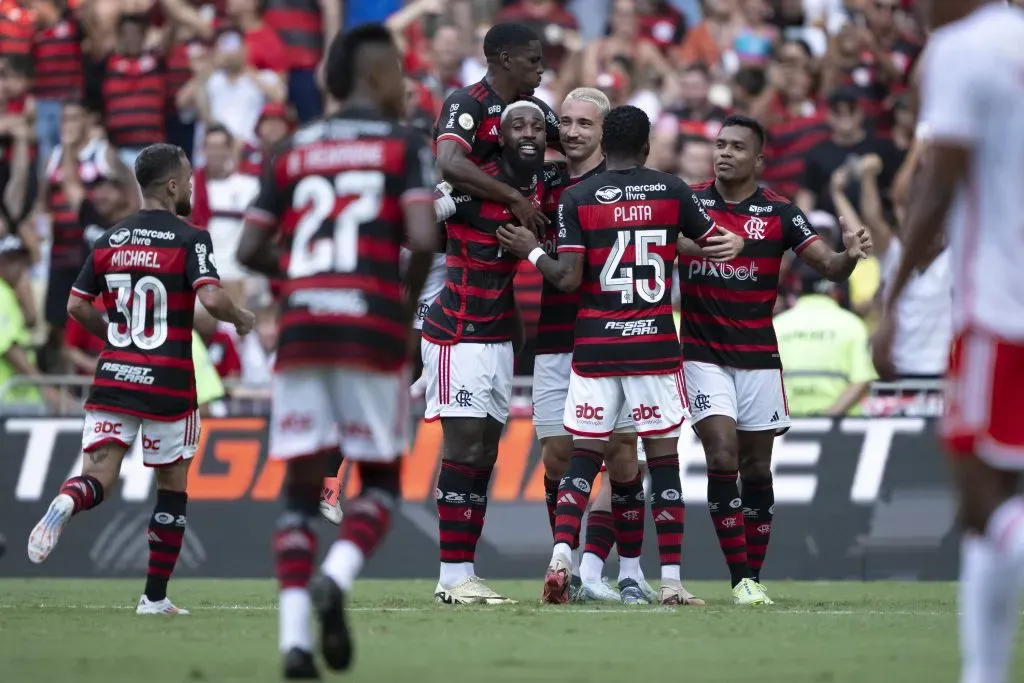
{"points": [[755, 399], [163, 443], [656, 405], [468, 380], [365, 412], [550, 389], [432, 287]]}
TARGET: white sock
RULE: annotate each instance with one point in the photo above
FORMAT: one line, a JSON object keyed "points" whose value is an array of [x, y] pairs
{"points": [[294, 610], [591, 567], [629, 568], [670, 572], [561, 549], [343, 563], [574, 561], [454, 572], [987, 617], [1006, 532]]}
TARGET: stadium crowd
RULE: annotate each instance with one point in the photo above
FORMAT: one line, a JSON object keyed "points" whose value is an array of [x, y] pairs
{"points": [[85, 84]]}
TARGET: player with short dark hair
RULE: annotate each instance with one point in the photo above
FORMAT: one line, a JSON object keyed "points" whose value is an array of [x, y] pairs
{"points": [[149, 269], [341, 196], [467, 131], [732, 368], [470, 337], [618, 235]]}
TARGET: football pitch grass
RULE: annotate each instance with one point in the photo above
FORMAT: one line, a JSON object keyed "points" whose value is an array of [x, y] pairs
{"points": [[86, 631]]}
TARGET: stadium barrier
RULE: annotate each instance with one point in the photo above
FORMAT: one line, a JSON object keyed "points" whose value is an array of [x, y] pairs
{"points": [[856, 498]]}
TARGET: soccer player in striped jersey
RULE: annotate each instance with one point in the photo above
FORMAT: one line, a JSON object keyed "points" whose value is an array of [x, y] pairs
{"points": [[149, 269]]}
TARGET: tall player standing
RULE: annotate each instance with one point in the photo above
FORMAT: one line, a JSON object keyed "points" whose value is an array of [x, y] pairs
{"points": [[732, 368], [972, 101], [468, 352], [149, 269], [618, 234], [343, 193]]}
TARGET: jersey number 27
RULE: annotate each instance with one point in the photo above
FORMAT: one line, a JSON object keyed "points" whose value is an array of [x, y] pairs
{"points": [[627, 282], [339, 252]]}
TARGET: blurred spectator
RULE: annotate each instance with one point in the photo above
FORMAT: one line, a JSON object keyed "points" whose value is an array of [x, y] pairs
{"points": [[441, 72], [59, 76], [220, 197], [866, 278], [232, 93], [696, 114], [754, 40], [848, 143], [306, 27], [81, 348], [665, 137], [620, 83], [16, 355], [824, 350], [258, 350], [274, 126], [264, 48], [221, 344], [209, 389], [129, 89], [661, 23], [623, 39], [696, 160], [17, 24], [703, 41], [793, 116], [556, 26]]}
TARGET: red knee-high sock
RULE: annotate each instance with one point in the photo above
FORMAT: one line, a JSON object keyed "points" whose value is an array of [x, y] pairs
{"points": [[758, 513], [600, 533], [628, 502], [574, 494], [478, 504], [455, 525], [727, 515], [166, 535], [86, 491], [668, 510]]}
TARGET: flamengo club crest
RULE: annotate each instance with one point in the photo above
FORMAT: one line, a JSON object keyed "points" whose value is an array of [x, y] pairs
{"points": [[754, 228]]}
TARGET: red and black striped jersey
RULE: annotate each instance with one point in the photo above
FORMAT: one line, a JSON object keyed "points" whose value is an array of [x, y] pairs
{"points": [[147, 268], [17, 25], [788, 142], [557, 308], [477, 304], [69, 245], [727, 307], [472, 117], [57, 54], [334, 192], [134, 94], [626, 223], [300, 25]]}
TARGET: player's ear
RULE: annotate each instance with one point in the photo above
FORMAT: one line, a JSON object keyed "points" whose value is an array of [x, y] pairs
{"points": [[759, 161], [505, 59]]}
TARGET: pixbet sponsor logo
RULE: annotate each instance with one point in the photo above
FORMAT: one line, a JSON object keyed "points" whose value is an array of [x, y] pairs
{"points": [[589, 412], [722, 271]]}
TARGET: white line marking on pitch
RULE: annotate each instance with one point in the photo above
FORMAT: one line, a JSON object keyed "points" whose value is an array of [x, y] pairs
{"points": [[544, 610]]}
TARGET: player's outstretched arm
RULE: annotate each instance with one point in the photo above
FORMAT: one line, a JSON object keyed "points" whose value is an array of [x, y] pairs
{"points": [[219, 304], [257, 250], [838, 266], [565, 272]]}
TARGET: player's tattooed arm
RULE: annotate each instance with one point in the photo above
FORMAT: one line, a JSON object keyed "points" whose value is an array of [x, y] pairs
{"points": [[565, 272], [219, 304]]}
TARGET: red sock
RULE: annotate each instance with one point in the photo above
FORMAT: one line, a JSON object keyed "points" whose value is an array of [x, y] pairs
{"points": [[727, 517], [166, 534], [574, 494], [368, 517], [550, 500], [758, 511], [667, 508], [294, 542], [478, 505], [86, 492], [628, 502], [600, 533], [455, 525]]}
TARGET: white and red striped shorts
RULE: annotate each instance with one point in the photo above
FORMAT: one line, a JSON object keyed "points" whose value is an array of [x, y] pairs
{"points": [[163, 443]]}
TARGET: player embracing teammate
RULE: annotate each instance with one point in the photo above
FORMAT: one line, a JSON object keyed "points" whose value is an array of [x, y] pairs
{"points": [[732, 369], [618, 235]]}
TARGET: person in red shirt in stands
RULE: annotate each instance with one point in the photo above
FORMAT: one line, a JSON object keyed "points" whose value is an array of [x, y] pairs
{"points": [[276, 122], [263, 45], [556, 26]]}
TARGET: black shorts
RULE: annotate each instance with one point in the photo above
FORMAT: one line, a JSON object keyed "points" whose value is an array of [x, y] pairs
{"points": [[57, 292]]}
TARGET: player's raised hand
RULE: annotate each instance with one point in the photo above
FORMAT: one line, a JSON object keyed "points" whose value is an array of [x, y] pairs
{"points": [[723, 245], [529, 215], [244, 322], [857, 242], [517, 240]]}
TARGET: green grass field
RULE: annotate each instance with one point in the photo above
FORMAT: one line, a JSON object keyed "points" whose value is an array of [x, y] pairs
{"points": [[86, 632]]}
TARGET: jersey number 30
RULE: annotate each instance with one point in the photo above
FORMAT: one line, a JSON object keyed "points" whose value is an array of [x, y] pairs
{"points": [[622, 279], [134, 303], [339, 252]]}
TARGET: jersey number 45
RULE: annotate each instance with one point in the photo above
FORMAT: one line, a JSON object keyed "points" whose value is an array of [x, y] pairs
{"points": [[616, 278]]}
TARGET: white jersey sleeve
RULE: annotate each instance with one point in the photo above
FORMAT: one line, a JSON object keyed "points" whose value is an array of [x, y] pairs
{"points": [[954, 84]]}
